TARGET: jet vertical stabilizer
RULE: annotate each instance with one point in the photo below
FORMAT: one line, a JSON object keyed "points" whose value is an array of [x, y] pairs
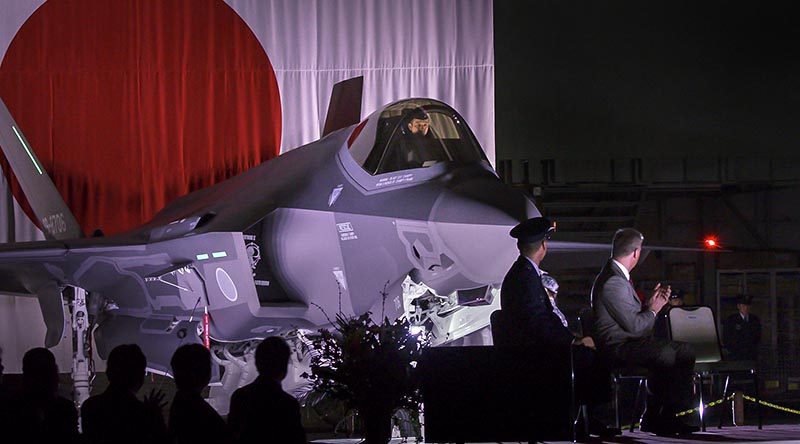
{"points": [[345, 106], [55, 219]]}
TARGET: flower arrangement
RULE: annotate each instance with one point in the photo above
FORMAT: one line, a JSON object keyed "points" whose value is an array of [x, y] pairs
{"points": [[371, 367]]}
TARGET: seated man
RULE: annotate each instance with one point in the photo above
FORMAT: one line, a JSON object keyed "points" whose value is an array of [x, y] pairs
{"points": [[624, 333], [415, 146], [526, 304]]}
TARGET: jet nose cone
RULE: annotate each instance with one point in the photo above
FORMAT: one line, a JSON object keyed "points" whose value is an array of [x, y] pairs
{"points": [[483, 200], [472, 219]]}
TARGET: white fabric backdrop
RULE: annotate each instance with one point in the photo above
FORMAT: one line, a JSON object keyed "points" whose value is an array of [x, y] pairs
{"points": [[443, 49]]}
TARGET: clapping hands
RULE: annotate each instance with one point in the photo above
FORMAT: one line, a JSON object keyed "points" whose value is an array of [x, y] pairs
{"points": [[659, 298], [154, 401]]}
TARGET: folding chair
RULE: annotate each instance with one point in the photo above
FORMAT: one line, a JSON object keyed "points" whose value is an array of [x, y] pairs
{"points": [[586, 323], [696, 326]]}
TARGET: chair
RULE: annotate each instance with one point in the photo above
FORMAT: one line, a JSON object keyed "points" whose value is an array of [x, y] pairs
{"points": [[696, 325], [501, 330], [586, 324]]}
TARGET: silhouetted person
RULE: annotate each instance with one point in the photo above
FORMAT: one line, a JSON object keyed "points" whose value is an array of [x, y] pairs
{"points": [[262, 412], [5, 398], [38, 414], [191, 419], [3, 391], [116, 415]]}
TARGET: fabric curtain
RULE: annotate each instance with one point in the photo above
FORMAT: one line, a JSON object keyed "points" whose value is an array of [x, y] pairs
{"points": [[132, 103], [440, 49]]}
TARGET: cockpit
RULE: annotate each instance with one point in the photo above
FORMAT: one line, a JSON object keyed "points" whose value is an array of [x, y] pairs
{"points": [[415, 133]]}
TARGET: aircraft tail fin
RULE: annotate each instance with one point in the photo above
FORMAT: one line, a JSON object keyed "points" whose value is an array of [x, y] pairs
{"points": [[345, 106], [54, 217]]}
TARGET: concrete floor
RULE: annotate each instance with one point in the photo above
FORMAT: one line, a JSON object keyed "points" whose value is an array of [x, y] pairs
{"points": [[780, 433]]}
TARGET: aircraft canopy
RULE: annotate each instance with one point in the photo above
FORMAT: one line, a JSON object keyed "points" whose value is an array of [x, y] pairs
{"points": [[419, 133]]}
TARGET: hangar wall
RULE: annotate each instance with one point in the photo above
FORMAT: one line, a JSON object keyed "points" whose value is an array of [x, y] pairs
{"points": [[646, 79], [678, 118]]}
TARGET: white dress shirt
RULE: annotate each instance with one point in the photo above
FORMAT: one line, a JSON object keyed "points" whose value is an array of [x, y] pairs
{"points": [[624, 270]]}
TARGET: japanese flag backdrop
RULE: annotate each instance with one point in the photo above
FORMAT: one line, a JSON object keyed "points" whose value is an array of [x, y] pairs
{"points": [[132, 103]]}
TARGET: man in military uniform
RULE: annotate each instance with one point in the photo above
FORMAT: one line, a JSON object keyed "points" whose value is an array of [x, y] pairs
{"points": [[741, 332], [533, 321]]}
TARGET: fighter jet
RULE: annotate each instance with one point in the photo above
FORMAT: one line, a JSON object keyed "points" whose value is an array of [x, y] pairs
{"points": [[403, 201]]}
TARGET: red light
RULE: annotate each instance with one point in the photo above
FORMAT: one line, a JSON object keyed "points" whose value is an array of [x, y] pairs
{"points": [[711, 242]]}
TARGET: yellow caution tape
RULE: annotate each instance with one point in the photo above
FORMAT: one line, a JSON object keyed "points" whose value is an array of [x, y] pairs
{"points": [[721, 400], [771, 405], [710, 404]]}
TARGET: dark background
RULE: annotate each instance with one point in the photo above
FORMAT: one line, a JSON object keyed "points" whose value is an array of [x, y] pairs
{"points": [[650, 78], [679, 118]]}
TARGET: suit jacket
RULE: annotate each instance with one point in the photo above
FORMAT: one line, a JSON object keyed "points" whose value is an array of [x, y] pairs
{"points": [[525, 303], [618, 313]]}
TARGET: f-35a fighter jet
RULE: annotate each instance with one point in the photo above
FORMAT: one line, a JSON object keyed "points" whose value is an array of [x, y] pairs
{"points": [[403, 199]]}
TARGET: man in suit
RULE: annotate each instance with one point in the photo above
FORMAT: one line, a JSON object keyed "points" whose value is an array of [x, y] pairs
{"points": [[624, 332], [533, 320]]}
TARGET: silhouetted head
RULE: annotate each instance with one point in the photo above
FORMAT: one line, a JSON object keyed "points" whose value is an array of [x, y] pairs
{"points": [[272, 358], [125, 367], [40, 372], [626, 248], [191, 367]]}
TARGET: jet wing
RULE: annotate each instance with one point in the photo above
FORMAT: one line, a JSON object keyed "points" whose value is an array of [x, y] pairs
{"points": [[140, 278], [567, 247], [571, 255]]}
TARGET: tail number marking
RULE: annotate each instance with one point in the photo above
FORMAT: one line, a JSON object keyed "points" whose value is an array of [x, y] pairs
{"points": [[55, 223]]}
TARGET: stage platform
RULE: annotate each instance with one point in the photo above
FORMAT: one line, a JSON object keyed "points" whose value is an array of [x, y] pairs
{"points": [[778, 433]]}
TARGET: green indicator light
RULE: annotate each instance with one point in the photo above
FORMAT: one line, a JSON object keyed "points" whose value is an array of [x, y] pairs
{"points": [[27, 150], [202, 257], [219, 254]]}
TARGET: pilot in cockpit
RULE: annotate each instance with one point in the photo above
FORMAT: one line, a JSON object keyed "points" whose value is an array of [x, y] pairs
{"points": [[419, 135], [417, 122], [418, 146]]}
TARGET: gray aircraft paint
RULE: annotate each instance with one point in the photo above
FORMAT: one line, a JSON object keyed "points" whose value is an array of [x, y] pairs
{"points": [[331, 236]]}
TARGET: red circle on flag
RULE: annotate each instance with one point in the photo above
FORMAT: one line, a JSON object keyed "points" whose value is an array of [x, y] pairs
{"points": [[130, 104]]}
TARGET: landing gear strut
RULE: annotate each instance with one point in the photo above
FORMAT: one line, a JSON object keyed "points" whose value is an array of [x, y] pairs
{"points": [[81, 356]]}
